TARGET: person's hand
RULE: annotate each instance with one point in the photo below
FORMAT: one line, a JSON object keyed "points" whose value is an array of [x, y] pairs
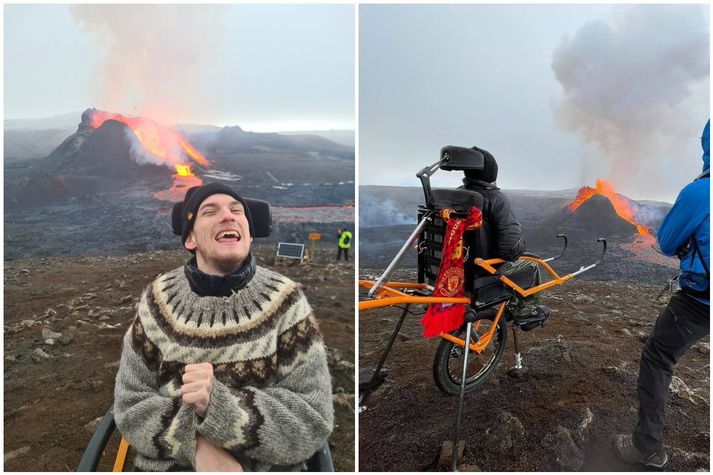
{"points": [[211, 458], [197, 386]]}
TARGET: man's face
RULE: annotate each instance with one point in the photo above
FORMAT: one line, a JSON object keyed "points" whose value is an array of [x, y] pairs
{"points": [[220, 235]]}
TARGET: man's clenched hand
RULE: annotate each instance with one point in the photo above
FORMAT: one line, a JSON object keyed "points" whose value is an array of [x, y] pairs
{"points": [[197, 386]]}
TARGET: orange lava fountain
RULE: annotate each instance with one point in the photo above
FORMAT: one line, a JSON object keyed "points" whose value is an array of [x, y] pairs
{"points": [[165, 143], [621, 206]]}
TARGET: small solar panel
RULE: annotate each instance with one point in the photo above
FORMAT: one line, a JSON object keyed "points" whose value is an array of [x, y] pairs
{"points": [[290, 250]]}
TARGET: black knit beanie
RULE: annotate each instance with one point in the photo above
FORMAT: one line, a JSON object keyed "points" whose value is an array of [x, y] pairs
{"points": [[183, 216], [489, 173]]}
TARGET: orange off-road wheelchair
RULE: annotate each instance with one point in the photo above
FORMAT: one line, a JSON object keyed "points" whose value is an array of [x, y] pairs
{"points": [[489, 298]]}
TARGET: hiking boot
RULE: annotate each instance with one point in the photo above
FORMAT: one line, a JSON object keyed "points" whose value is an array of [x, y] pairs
{"points": [[626, 451], [533, 319]]}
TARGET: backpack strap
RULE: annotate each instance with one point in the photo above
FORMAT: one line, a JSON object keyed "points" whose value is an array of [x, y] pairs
{"points": [[696, 250]]}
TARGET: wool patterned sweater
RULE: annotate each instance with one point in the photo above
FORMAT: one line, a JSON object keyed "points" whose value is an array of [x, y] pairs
{"points": [[271, 404]]}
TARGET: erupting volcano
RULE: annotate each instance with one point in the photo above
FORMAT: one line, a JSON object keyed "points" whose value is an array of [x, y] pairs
{"points": [[621, 205], [164, 143]]}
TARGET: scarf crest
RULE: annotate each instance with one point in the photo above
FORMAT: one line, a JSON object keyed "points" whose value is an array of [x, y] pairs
{"points": [[445, 317]]}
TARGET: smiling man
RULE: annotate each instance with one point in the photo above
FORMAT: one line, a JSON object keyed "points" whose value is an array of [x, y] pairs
{"points": [[223, 367]]}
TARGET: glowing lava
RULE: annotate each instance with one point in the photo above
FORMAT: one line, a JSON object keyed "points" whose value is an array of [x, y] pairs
{"points": [[165, 143], [621, 206], [183, 170], [178, 189]]}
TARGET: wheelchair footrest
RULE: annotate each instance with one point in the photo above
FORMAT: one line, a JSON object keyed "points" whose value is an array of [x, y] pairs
{"points": [[534, 320]]}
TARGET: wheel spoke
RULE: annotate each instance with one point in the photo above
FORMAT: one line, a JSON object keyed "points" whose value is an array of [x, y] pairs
{"points": [[478, 363]]}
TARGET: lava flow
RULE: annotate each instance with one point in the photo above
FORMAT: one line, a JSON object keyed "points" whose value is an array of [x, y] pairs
{"points": [[621, 206], [166, 144]]}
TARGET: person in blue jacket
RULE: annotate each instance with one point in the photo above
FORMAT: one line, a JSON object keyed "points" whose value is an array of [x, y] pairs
{"points": [[685, 232]]}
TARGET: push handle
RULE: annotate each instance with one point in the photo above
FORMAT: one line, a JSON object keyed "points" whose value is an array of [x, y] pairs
{"points": [[563, 236], [604, 248], [424, 175]]}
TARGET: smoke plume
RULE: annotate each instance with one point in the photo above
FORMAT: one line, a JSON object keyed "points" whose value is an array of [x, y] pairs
{"points": [[154, 56], [636, 88], [140, 155], [382, 212]]}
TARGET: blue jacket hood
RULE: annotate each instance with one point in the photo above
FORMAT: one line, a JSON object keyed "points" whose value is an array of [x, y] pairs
{"points": [[706, 144]]}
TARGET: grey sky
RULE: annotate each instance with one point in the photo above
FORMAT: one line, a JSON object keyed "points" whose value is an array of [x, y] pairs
{"points": [[264, 67], [637, 93]]}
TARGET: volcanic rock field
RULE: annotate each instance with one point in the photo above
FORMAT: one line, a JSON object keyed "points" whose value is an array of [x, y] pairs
{"points": [[64, 321]]}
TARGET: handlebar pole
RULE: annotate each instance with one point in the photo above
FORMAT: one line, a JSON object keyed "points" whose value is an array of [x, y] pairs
{"points": [[400, 254], [599, 261]]}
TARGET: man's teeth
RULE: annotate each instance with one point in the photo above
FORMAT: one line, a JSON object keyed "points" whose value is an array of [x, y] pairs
{"points": [[228, 235]]}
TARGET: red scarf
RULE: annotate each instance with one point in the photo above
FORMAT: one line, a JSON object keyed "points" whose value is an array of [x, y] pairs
{"points": [[446, 317]]}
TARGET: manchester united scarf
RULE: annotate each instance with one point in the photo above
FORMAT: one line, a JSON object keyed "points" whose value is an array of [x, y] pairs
{"points": [[444, 317]]}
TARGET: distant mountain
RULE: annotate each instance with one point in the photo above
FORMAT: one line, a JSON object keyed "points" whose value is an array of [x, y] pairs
{"points": [[342, 137], [302, 169], [36, 138], [385, 205], [27, 144], [102, 152], [63, 122], [594, 218], [235, 140], [396, 205]]}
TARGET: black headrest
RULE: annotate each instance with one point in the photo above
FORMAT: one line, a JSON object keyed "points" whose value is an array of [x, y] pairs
{"points": [[461, 158], [262, 217]]}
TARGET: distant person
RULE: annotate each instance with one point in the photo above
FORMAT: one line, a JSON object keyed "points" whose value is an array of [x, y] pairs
{"points": [[503, 235], [345, 242], [685, 233], [223, 367]]}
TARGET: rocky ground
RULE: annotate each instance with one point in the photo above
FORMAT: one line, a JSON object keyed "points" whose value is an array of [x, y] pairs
{"points": [[64, 321], [579, 390]]}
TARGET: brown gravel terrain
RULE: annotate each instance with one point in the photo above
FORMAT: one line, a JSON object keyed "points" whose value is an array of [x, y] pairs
{"points": [[64, 322], [579, 390]]}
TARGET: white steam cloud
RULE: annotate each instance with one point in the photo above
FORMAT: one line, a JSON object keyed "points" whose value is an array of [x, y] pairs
{"points": [[382, 212], [140, 155], [154, 56], [636, 87]]}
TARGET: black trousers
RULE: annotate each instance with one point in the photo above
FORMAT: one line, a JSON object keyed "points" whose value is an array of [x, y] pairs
{"points": [[346, 253], [682, 323]]}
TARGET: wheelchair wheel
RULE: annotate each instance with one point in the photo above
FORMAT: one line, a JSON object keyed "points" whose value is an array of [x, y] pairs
{"points": [[448, 362]]}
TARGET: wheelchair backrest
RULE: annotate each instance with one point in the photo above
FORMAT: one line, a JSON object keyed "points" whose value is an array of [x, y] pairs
{"points": [[432, 235]]}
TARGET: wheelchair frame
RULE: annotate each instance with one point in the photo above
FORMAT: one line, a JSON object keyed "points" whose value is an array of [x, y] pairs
{"points": [[383, 293]]}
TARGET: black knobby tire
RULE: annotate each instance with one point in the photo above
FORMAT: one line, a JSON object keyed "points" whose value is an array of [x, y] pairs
{"points": [[448, 362]]}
